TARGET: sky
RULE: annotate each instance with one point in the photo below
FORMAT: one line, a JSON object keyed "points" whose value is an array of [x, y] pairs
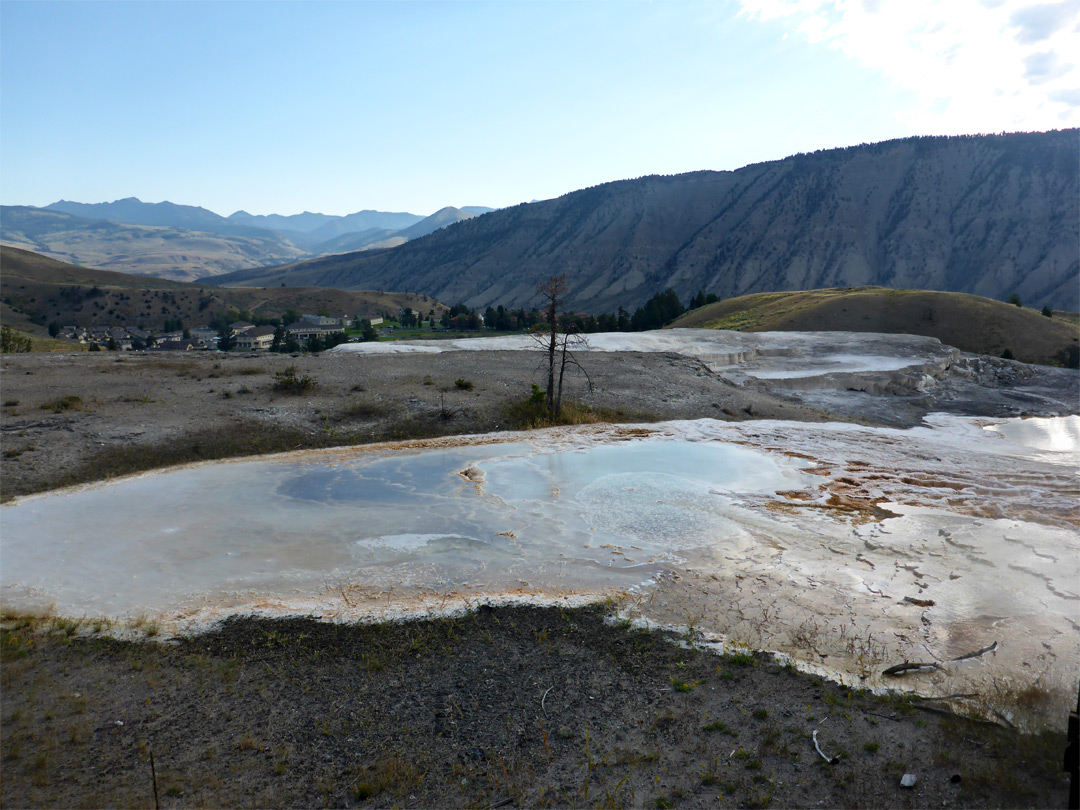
{"points": [[334, 107]]}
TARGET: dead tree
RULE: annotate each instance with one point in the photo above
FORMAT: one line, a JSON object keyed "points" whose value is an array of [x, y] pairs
{"points": [[552, 292], [557, 347]]}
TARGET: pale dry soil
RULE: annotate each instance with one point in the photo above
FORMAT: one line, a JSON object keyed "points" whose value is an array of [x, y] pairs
{"points": [[523, 707]]}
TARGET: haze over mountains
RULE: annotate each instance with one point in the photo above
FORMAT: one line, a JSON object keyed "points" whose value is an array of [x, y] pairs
{"points": [[988, 215], [185, 243]]}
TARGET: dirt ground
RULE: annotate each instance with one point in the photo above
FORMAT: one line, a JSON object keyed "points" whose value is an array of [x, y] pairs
{"points": [[506, 706], [523, 707]]}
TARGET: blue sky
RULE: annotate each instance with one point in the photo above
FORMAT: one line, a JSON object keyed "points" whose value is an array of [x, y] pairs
{"points": [[281, 107]]}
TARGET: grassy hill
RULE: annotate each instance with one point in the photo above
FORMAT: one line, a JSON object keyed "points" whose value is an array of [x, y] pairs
{"points": [[37, 290], [968, 322]]}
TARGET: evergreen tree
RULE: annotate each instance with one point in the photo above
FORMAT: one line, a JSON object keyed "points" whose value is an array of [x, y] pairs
{"points": [[226, 338]]}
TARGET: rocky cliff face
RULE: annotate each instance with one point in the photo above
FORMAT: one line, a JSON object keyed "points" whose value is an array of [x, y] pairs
{"points": [[989, 215]]}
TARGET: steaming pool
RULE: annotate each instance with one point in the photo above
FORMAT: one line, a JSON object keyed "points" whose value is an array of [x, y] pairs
{"points": [[847, 548]]}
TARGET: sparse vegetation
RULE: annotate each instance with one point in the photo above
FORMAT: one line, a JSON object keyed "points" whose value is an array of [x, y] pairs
{"points": [[61, 404], [290, 381], [532, 413], [360, 409], [218, 704], [12, 342]]}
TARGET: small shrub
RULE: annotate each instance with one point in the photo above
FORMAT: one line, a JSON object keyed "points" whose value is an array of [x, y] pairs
{"points": [[12, 342], [683, 686], [288, 382], [248, 743], [1007, 355], [68, 403], [743, 660], [463, 385]]}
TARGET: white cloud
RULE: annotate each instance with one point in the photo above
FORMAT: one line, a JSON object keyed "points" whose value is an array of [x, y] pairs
{"points": [[1036, 23], [975, 65]]}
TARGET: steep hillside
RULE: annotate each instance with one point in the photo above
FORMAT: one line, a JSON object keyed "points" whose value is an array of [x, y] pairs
{"points": [[968, 322], [154, 250], [988, 215], [37, 290]]}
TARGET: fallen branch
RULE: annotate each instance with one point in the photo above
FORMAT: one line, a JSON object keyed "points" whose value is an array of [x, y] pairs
{"points": [[153, 775], [977, 653], [884, 716], [543, 699], [832, 760], [907, 666], [911, 600]]}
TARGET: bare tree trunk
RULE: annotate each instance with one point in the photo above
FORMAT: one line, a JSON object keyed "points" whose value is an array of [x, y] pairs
{"points": [[552, 291], [562, 371], [553, 341], [566, 358]]}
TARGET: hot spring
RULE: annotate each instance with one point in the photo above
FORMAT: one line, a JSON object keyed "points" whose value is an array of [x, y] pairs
{"points": [[848, 548]]}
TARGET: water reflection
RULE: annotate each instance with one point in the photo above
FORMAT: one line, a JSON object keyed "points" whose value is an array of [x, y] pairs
{"points": [[1060, 434], [200, 535]]}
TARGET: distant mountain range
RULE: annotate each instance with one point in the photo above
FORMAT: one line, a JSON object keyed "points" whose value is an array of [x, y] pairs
{"points": [[988, 215], [153, 250], [185, 243]]}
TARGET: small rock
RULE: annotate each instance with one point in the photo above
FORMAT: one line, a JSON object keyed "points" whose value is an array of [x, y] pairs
{"points": [[907, 780]]}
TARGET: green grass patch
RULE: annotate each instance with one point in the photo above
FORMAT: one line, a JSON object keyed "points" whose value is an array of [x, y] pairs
{"points": [[742, 660]]}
